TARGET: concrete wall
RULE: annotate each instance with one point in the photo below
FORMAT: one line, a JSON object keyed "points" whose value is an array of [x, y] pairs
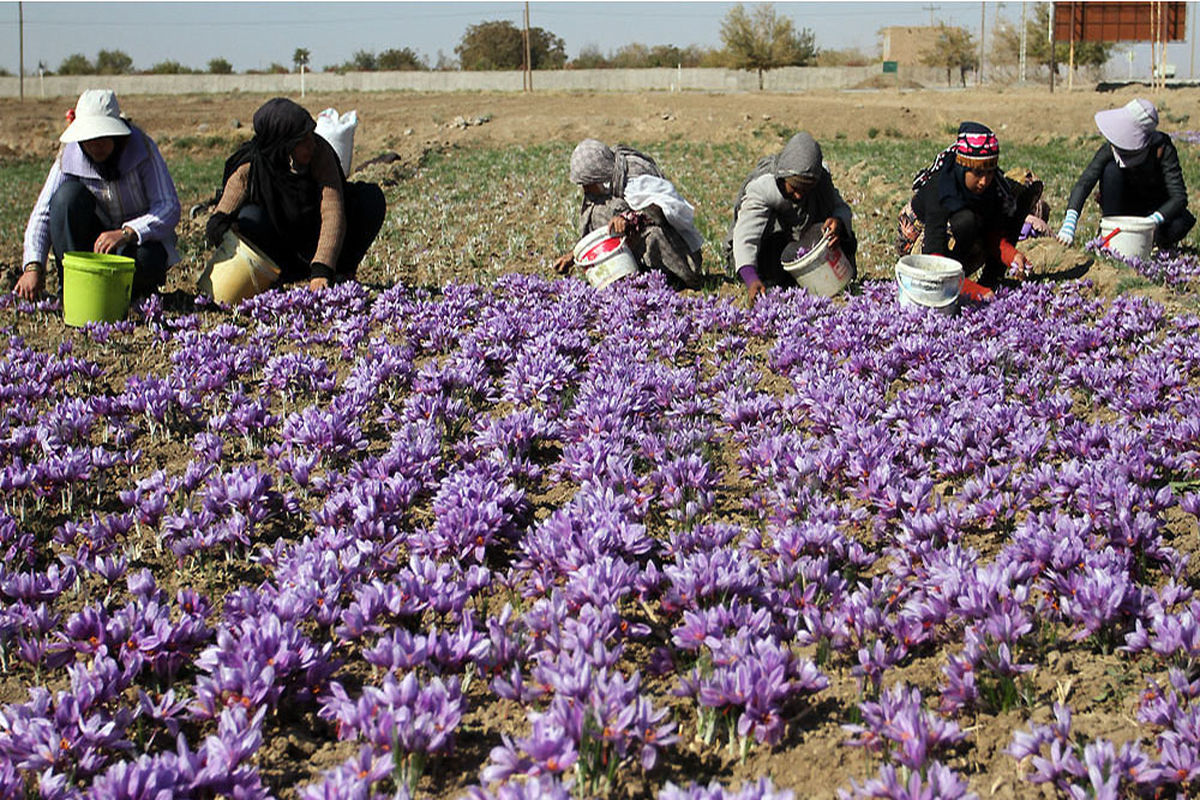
{"points": [[787, 79]]}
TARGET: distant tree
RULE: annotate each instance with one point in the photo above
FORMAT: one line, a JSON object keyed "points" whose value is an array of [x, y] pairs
{"points": [[445, 63], [848, 57], [300, 58], [113, 62], [589, 57], [954, 49], [1037, 45], [170, 68], [4, 73], [76, 64], [499, 45], [403, 59], [363, 61], [277, 69], [763, 40], [219, 66]]}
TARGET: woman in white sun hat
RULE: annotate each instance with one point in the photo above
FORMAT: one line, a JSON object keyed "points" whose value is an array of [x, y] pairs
{"points": [[108, 191], [1137, 168]]}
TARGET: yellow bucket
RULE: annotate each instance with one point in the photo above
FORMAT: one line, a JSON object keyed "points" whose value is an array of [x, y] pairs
{"points": [[236, 270], [96, 287]]}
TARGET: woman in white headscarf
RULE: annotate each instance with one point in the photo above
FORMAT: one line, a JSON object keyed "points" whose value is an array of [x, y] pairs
{"points": [[1138, 170], [625, 190]]}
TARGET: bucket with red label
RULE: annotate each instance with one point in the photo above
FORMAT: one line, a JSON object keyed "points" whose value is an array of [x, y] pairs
{"points": [[604, 258]]}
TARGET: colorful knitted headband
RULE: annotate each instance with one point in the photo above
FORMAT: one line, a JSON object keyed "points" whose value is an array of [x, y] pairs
{"points": [[976, 146]]}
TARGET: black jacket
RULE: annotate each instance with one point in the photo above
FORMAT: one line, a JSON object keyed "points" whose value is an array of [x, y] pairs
{"points": [[1158, 176]]}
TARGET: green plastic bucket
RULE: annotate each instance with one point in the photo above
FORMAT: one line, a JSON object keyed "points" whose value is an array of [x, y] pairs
{"points": [[96, 287]]}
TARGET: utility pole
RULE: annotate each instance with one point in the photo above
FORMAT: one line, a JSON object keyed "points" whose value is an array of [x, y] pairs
{"points": [[21, 49], [1021, 69], [1053, 60], [527, 83], [1192, 41], [930, 8], [982, 40]]}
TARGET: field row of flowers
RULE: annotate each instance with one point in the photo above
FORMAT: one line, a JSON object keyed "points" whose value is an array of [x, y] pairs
{"points": [[648, 521]]}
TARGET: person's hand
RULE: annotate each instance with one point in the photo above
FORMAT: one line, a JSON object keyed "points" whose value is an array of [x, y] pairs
{"points": [[832, 230], [753, 290], [111, 241], [563, 264], [317, 284], [214, 229], [617, 226], [1021, 266], [1065, 236], [29, 285]]}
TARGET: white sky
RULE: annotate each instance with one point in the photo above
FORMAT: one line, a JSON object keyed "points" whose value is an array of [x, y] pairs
{"points": [[251, 35]]}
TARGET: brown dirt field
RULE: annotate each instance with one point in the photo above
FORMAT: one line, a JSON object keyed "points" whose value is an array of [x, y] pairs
{"points": [[410, 122]]}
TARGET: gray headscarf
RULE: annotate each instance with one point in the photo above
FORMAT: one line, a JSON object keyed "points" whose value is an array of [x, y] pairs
{"points": [[593, 162], [800, 157]]}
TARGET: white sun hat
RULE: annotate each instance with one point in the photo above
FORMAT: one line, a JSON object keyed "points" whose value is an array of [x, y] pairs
{"points": [[1129, 127], [96, 115]]}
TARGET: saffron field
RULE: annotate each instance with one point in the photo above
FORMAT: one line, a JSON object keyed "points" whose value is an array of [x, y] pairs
{"points": [[470, 529]]}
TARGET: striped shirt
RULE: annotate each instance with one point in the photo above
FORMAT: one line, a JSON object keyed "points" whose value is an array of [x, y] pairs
{"points": [[142, 199]]}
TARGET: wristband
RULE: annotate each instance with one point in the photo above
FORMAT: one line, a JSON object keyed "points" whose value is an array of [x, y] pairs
{"points": [[1069, 221], [1158, 218], [33, 266], [748, 274]]}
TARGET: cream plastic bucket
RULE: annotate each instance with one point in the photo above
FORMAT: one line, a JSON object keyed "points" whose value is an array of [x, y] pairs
{"points": [[604, 258], [1131, 237], [929, 281], [823, 270], [236, 270]]}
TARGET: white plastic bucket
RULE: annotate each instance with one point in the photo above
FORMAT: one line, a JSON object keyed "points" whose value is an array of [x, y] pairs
{"points": [[822, 270], [1131, 237], [236, 270], [929, 281], [604, 258]]}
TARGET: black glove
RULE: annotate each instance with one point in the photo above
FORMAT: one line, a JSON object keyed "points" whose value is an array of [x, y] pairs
{"points": [[318, 270], [214, 230]]}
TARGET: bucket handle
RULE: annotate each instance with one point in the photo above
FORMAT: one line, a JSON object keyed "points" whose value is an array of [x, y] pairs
{"points": [[1108, 238]]}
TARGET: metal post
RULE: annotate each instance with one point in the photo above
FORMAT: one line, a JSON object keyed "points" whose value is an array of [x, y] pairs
{"points": [[982, 40], [528, 60], [301, 80], [1021, 68], [21, 48], [1050, 36]]}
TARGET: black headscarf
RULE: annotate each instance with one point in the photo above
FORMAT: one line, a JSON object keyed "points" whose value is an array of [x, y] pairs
{"points": [[292, 200]]}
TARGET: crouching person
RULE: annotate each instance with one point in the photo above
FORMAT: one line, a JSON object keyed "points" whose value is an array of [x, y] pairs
{"points": [[625, 191], [285, 193], [1138, 170], [783, 196], [108, 191]]}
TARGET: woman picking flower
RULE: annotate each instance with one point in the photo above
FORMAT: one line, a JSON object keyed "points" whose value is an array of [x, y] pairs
{"points": [[783, 196], [964, 208], [109, 191], [625, 190], [1137, 168], [285, 193]]}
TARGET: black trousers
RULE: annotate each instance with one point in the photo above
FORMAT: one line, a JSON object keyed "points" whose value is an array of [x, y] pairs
{"points": [[75, 225], [365, 207], [1120, 196]]}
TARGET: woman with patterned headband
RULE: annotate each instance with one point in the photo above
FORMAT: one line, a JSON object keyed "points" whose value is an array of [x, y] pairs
{"points": [[963, 207]]}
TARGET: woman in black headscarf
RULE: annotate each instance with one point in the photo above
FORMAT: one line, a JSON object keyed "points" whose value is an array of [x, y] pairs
{"points": [[286, 194], [963, 207]]}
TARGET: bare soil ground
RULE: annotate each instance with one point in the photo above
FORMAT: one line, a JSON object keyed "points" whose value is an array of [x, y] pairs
{"points": [[408, 123]]}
